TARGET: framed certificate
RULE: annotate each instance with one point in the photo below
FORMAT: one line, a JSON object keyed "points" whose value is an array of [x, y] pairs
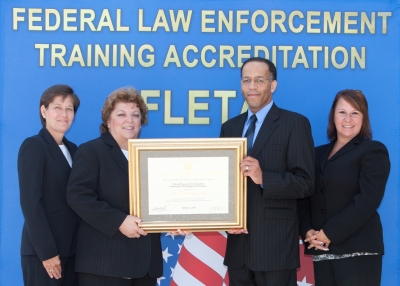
{"points": [[190, 184]]}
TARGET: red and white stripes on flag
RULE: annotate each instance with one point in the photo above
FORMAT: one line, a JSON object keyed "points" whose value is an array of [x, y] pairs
{"points": [[201, 260]]}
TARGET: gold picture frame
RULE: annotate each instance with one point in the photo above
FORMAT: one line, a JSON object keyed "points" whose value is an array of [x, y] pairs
{"points": [[190, 184]]}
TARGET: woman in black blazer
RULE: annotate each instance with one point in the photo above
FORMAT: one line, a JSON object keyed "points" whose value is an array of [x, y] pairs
{"points": [[112, 249], [44, 163], [340, 221]]}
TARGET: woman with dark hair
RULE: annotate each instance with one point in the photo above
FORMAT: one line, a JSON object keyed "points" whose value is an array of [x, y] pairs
{"points": [[44, 163], [340, 222], [111, 248]]}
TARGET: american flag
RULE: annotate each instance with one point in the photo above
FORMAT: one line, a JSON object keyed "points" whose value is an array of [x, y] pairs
{"points": [[197, 259]]}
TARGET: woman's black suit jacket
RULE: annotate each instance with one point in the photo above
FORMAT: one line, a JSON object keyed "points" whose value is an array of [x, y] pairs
{"points": [[349, 188], [50, 224], [98, 191]]}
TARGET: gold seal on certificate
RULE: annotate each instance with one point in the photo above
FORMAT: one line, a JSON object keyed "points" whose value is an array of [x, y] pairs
{"points": [[191, 184]]}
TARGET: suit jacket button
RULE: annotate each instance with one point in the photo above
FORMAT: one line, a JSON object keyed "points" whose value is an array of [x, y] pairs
{"points": [[322, 191], [322, 211]]}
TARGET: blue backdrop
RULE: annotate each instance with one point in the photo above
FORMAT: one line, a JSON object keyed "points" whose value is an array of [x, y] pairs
{"points": [[184, 56]]}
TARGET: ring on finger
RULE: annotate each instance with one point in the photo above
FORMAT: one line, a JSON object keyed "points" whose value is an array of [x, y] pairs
{"points": [[322, 244], [247, 168]]}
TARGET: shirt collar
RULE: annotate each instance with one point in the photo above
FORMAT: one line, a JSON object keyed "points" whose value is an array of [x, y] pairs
{"points": [[261, 114]]}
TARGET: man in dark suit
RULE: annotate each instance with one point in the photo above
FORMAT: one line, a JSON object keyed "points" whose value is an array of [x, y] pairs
{"points": [[279, 169]]}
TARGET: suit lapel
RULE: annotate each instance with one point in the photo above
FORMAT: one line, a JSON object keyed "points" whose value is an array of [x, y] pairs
{"points": [[55, 150], [115, 151], [71, 147], [325, 154], [351, 145], [267, 128], [239, 125]]}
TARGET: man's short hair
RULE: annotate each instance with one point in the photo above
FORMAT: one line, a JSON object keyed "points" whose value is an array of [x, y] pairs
{"points": [[271, 66]]}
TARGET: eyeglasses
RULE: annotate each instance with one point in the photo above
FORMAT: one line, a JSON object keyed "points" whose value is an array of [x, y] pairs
{"points": [[258, 81]]}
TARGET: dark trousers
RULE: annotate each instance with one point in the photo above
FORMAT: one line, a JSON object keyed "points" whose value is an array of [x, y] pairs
{"points": [[244, 276], [99, 280], [35, 274], [352, 271]]}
